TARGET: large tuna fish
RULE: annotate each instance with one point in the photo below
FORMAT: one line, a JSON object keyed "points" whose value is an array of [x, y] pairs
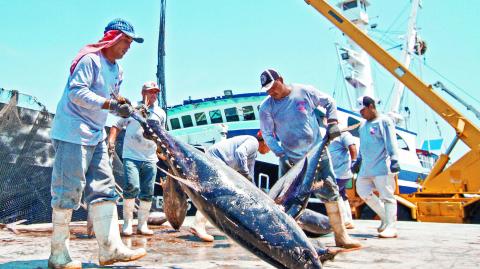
{"points": [[235, 205], [293, 190]]}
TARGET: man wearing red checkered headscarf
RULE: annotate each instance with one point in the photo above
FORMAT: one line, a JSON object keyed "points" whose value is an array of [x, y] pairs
{"points": [[81, 158]]}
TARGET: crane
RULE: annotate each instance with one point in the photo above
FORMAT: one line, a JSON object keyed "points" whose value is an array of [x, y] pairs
{"points": [[448, 194]]}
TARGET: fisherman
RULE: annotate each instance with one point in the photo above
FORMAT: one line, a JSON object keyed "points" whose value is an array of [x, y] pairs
{"points": [[376, 165], [81, 160], [239, 153], [139, 160], [343, 151], [287, 115]]}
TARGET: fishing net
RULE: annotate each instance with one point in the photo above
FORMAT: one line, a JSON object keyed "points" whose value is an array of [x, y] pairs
{"points": [[26, 157], [26, 160]]}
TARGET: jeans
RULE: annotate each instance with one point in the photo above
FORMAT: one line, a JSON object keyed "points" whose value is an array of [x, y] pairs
{"points": [[139, 179], [77, 168]]}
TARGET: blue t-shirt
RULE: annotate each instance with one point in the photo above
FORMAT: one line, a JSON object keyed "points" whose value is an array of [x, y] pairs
{"points": [[378, 145], [340, 155], [79, 118], [238, 152], [292, 120]]}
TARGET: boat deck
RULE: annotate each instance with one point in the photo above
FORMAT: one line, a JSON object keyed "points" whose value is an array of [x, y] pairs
{"points": [[420, 245]]}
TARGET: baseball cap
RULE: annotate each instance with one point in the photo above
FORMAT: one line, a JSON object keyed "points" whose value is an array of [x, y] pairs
{"points": [[365, 101], [150, 85], [125, 27], [267, 78]]}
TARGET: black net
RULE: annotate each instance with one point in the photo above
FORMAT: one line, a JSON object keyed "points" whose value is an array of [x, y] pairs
{"points": [[26, 160], [26, 157]]}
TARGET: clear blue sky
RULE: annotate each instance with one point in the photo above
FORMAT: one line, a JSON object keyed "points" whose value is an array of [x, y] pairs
{"points": [[214, 45]]}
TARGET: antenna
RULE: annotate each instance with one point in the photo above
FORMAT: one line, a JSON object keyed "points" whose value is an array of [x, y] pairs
{"points": [[162, 98]]}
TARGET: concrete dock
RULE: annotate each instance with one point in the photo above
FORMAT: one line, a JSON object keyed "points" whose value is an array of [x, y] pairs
{"points": [[420, 245]]}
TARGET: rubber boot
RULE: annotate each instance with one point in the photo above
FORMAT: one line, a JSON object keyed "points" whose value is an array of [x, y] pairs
{"points": [[342, 239], [128, 207], [348, 215], [59, 255], [391, 216], [198, 228], [377, 206], [111, 247], [143, 212]]}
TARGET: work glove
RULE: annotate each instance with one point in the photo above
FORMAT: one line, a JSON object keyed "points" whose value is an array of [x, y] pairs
{"points": [[394, 166], [332, 130], [355, 168], [123, 110]]}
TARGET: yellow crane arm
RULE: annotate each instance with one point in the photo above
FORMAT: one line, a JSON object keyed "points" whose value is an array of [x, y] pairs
{"points": [[466, 131]]}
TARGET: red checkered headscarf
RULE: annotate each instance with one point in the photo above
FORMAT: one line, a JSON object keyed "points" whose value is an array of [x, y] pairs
{"points": [[109, 39]]}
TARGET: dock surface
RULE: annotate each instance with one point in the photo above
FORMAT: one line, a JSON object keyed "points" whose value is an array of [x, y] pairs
{"points": [[420, 245]]}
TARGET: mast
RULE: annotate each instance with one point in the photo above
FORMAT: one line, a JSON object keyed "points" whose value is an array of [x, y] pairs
{"points": [[357, 68], [162, 98], [410, 47]]}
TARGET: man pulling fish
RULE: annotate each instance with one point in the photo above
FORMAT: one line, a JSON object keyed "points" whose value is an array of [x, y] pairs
{"points": [[287, 115], [81, 160], [139, 160]]}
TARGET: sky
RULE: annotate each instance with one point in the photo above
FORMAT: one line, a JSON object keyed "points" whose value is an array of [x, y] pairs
{"points": [[215, 45]]}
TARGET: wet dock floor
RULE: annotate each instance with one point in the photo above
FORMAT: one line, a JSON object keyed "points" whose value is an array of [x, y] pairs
{"points": [[420, 245]]}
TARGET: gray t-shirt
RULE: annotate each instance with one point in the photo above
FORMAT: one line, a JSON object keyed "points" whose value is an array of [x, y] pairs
{"points": [[292, 120], [378, 145], [238, 152], [80, 118], [135, 146], [340, 155]]}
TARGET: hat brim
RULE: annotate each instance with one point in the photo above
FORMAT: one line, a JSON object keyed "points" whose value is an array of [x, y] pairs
{"points": [[151, 89], [268, 86], [134, 37], [358, 108]]}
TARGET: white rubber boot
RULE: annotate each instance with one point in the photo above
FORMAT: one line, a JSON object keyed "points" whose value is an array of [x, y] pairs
{"points": [[143, 212], [377, 206], [342, 239], [391, 219], [348, 215], [128, 207], [198, 228], [111, 247], [59, 255]]}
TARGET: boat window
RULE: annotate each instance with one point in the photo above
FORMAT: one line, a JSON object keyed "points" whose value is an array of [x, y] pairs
{"points": [[231, 114], [187, 121], [402, 143], [349, 5], [175, 122], [215, 116], [248, 113], [352, 121], [200, 118]]}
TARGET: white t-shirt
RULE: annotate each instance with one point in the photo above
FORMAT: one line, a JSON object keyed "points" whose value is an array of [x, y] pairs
{"points": [[135, 146]]}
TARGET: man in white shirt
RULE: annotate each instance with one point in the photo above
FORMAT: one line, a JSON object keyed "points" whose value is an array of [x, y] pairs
{"points": [[139, 160]]}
